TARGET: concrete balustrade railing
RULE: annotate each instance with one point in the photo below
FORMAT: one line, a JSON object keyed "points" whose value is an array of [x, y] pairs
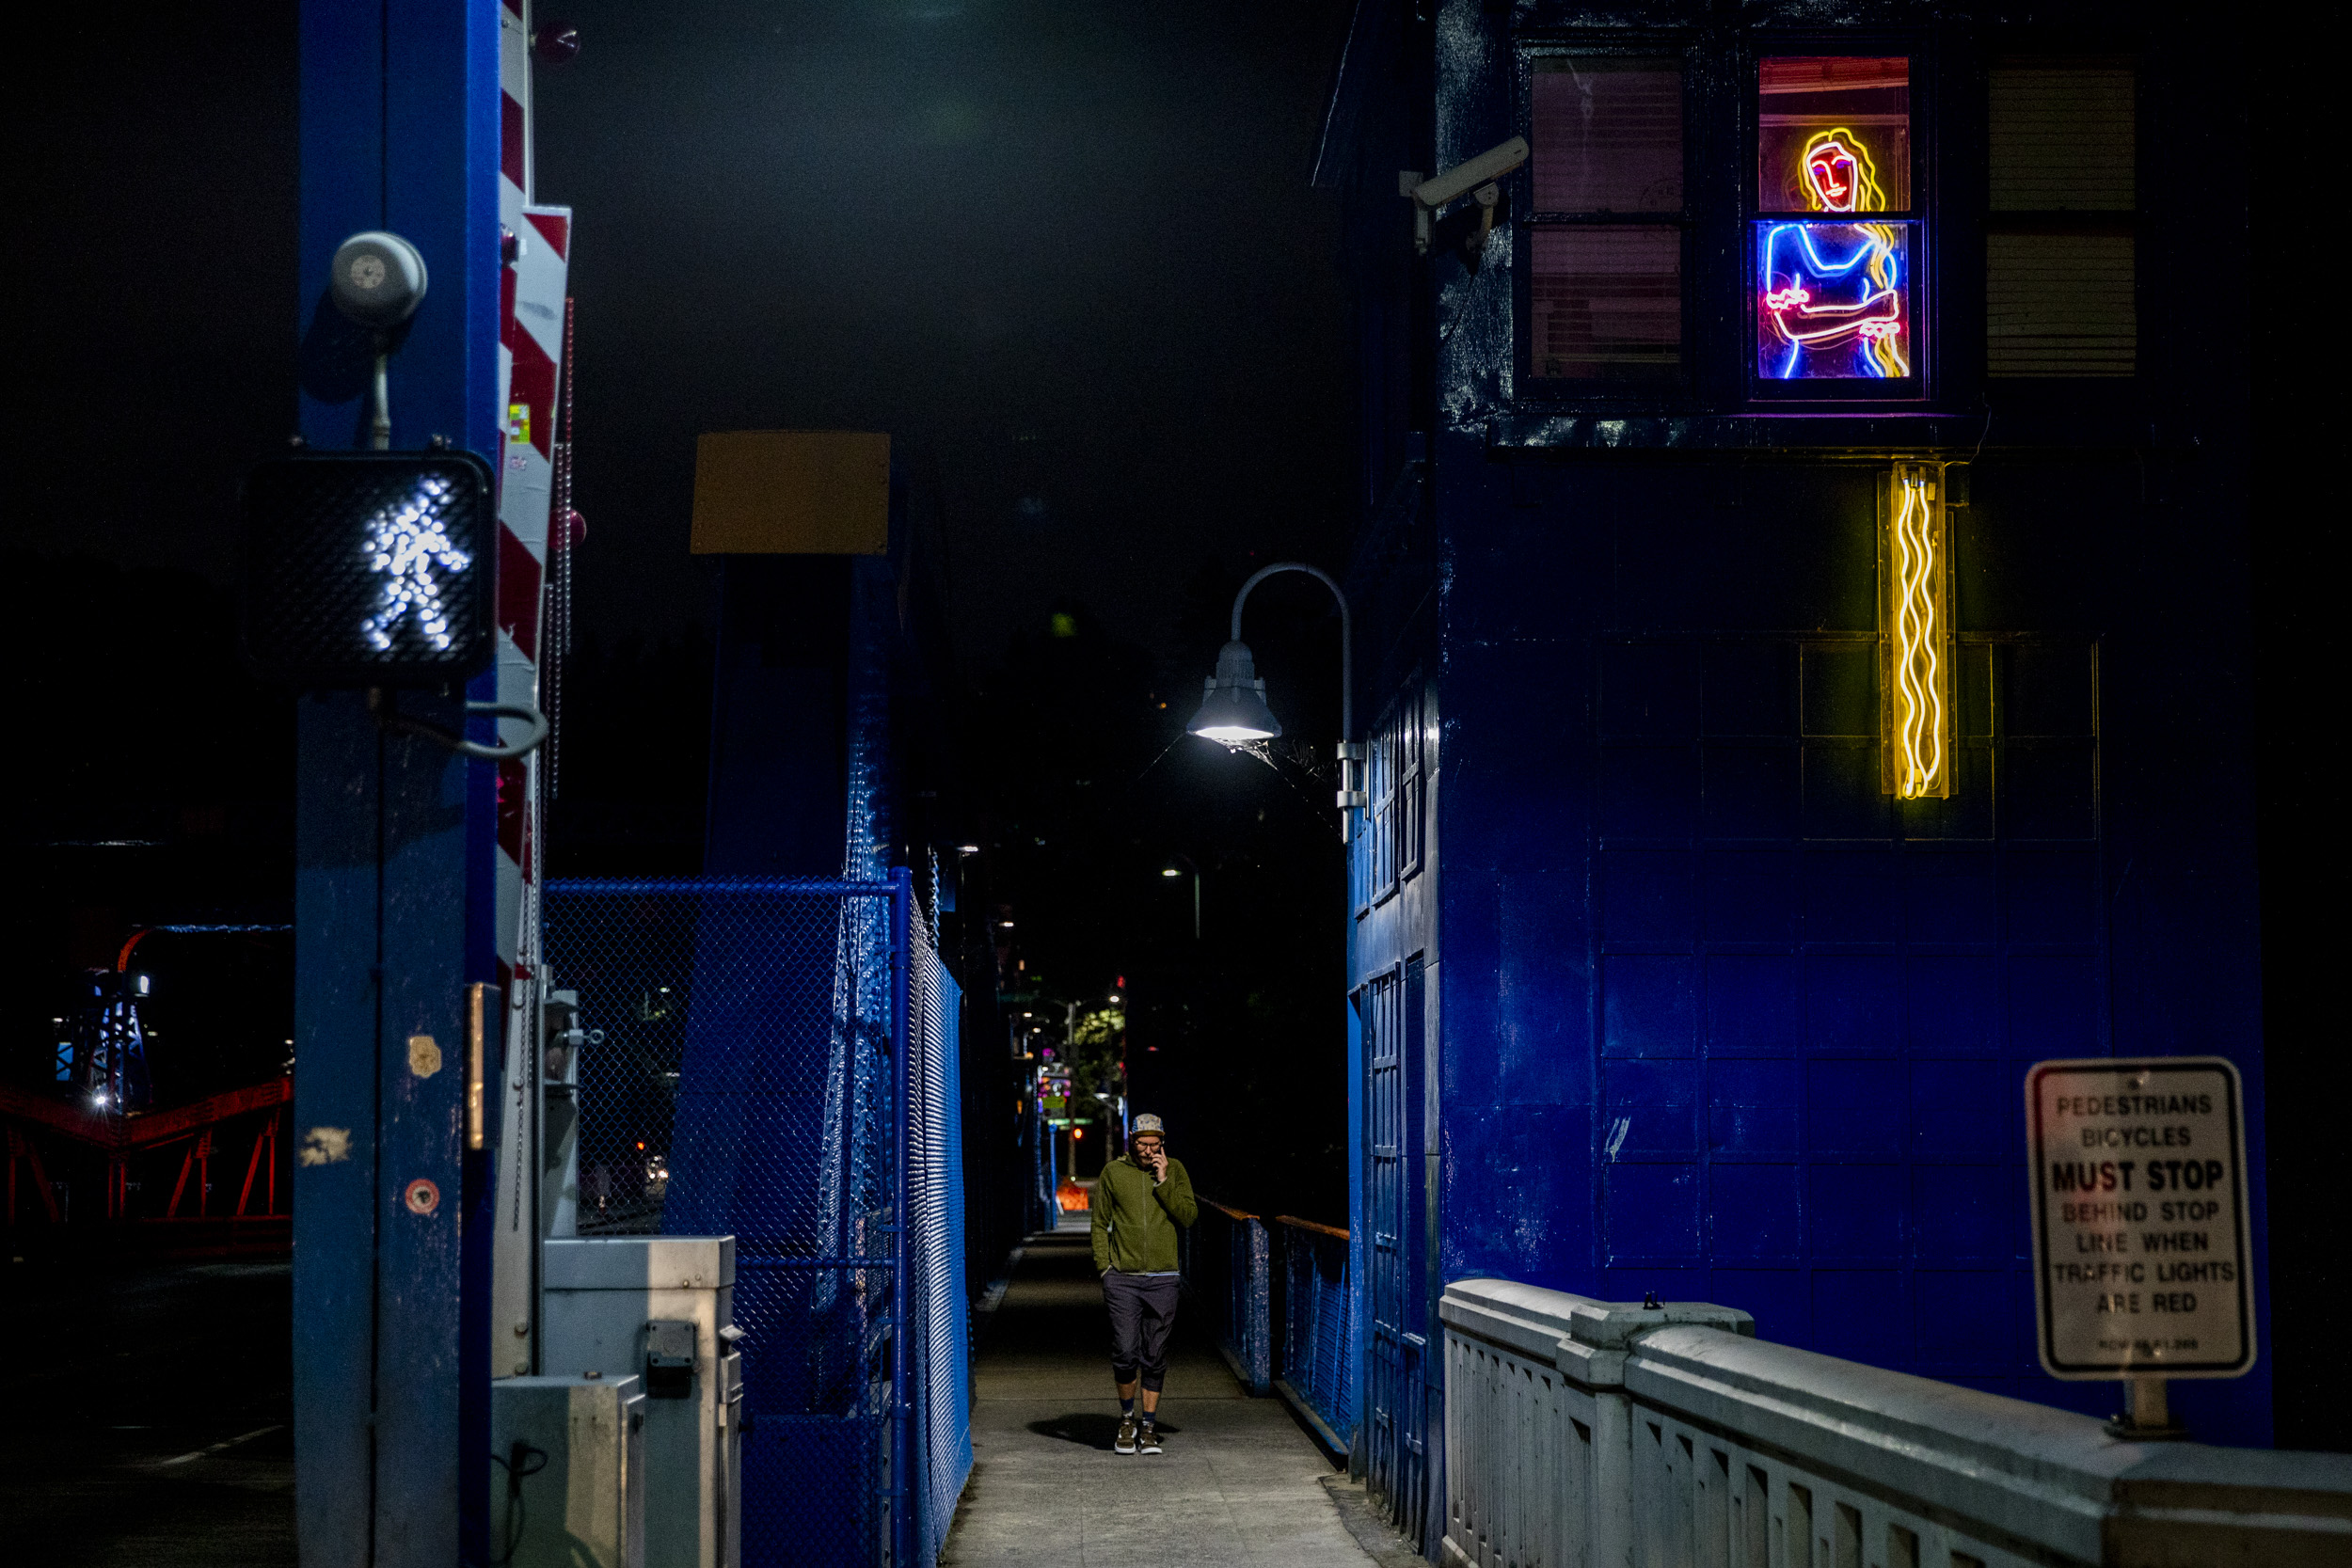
{"points": [[1584, 1433]]}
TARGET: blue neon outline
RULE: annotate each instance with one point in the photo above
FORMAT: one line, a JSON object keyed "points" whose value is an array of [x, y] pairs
{"points": [[1896, 289]]}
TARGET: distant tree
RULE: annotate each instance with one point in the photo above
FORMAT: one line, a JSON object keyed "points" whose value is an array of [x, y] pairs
{"points": [[1098, 1049]]}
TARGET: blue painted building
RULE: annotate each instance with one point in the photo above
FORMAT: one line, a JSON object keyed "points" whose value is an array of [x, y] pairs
{"points": [[1702, 935]]}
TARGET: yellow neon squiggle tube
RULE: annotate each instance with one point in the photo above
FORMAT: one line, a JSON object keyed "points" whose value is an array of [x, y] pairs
{"points": [[1925, 724], [1906, 690], [1931, 640], [1919, 722]]}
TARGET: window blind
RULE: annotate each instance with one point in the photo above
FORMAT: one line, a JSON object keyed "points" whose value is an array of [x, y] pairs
{"points": [[2060, 262]]}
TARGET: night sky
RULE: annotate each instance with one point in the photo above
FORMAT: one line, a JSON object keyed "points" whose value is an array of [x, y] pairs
{"points": [[1067, 256]]}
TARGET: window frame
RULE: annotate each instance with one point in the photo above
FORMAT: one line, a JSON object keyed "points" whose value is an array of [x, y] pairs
{"points": [[1396, 786], [2036, 51], [1413, 779], [1381, 788], [1661, 394], [1923, 215], [1716, 375]]}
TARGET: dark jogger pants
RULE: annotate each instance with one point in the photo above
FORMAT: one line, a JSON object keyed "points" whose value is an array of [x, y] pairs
{"points": [[1143, 1309]]}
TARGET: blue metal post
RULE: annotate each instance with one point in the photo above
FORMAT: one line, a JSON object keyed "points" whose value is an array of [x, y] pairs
{"points": [[399, 131], [902, 1554]]}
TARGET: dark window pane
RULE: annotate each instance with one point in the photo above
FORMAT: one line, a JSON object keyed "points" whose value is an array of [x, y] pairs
{"points": [[1608, 135], [1606, 302], [2061, 285], [1834, 133], [2061, 139], [1833, 301], [2061, 305]]}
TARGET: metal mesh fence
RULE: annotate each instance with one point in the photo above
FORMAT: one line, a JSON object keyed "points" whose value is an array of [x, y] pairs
{"points": [[749, 1046]]}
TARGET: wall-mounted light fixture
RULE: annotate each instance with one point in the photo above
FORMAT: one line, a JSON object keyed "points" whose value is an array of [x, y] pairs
{"points": [[1234, 711], [1915, 621]]}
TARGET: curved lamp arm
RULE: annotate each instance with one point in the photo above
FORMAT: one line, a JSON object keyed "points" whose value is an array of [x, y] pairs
{"points": [[1348, 634], [1352, 754]]}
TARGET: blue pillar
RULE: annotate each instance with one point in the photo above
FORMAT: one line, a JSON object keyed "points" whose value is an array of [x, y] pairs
{"points": [[399, 131]]}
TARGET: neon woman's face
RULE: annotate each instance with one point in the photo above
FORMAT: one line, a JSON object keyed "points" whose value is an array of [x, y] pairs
{"points": [[1832, 173]]}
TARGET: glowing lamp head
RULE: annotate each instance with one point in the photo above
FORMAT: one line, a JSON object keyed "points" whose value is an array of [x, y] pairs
{"points": [[1232, 703]]}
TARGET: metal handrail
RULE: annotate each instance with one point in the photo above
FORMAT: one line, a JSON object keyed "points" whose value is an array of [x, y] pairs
{"points": [[1310, 1225], [830, 888]]}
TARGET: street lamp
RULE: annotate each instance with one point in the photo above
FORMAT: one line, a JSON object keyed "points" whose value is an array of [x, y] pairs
{"points": [[1232, 706], [1233, 709], [1172, 871]]}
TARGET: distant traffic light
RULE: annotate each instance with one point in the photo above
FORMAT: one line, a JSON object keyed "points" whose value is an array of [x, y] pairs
{"points": [[369, 569]]}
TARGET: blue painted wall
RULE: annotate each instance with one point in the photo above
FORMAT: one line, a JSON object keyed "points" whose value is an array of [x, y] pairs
{"points": [[394, 836], [1713, 1016], [1724, 1021]]}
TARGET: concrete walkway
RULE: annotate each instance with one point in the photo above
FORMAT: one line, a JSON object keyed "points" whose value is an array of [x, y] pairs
{"points": [[1239, 1484]]}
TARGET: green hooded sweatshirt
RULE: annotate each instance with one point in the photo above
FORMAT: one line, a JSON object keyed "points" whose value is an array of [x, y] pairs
{"points": [[1135, 1220]]}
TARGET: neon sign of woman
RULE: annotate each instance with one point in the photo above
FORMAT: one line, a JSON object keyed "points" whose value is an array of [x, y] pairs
{"points": [[1832, 292]]}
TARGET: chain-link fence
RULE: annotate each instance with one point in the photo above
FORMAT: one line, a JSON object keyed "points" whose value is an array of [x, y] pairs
{"points": [[764, 1058], [935, 1173]]}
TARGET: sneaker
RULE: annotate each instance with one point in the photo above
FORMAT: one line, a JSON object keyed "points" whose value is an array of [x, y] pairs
{"points": [[1149, 1440], [1126, 1440]]}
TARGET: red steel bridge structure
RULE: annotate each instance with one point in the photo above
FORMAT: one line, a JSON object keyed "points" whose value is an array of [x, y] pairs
{"points": [[135, 1151]]}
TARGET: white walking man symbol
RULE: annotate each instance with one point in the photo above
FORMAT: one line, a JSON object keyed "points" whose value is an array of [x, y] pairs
{"points": [[407, 541]]}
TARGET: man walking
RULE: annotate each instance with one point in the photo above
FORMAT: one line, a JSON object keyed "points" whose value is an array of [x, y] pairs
{"points": [[1141, 1199]]}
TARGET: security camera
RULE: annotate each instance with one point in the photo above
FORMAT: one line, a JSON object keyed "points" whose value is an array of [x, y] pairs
{"points": [[1475, 178]]}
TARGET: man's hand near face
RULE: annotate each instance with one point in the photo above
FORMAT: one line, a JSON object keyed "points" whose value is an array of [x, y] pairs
{"points": [[1152, 1156]]}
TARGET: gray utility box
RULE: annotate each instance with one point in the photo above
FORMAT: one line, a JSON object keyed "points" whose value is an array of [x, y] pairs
{"points": [[662, 1309], [568, 1490]]}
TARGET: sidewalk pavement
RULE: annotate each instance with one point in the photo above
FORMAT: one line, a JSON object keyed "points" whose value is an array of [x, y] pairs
{"points": [[1240, 1483]]}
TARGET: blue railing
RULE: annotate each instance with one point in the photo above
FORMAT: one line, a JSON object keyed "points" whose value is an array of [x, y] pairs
{"points": [[1279, 1301], [1227, 1274], [1318, 1328]]}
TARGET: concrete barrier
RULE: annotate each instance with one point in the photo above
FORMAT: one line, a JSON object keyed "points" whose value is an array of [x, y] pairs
{"points": [[1584, 1433]]}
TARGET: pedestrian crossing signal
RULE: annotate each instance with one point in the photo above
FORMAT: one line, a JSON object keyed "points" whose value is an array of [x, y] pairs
{"points": [[369, 569]]}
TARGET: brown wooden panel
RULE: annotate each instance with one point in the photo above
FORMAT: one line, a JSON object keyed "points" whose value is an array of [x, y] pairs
{"points": [[792, 492]]}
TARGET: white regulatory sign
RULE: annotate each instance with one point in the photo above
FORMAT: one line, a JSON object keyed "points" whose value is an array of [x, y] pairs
{"points": [[2139, 1234]]}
